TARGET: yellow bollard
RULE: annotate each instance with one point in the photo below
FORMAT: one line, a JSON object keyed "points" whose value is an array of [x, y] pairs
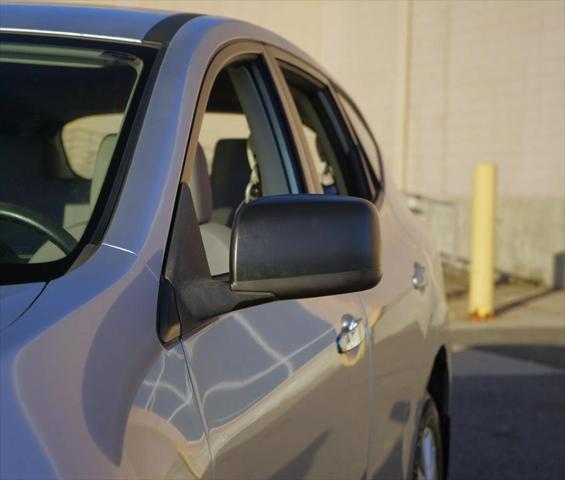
{"points": [[481, 292]]}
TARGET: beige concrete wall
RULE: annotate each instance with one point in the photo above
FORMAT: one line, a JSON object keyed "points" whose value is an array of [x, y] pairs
{"points": [[488, 85], [444, 85]]}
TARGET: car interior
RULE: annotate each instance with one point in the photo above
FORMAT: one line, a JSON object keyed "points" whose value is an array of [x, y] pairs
{"points": [[243, 160], [38, 178]]}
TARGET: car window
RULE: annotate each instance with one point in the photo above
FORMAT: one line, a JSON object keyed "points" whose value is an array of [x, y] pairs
{"points": [[308, 98], [327, 140], [61, 120], [368, 144], [240, 155]]}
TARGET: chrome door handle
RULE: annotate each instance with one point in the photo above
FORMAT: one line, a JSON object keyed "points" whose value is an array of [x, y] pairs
{"points": [[352, 333], [419, 277]]}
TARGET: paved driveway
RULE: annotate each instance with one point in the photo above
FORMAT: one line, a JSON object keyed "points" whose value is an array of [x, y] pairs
{"points": [[509, 394]]}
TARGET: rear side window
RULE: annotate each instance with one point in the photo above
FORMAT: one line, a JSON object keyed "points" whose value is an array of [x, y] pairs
{"points": [[368, 144], [325, 153], [331, 149]]}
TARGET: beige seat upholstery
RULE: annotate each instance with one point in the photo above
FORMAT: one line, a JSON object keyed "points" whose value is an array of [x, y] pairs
{"points": [[230, 177], [103, 158], [216, 237], [48, 251]]}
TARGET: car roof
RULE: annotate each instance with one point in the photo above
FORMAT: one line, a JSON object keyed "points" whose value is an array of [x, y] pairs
{"points": [[133, 25], [139, 26], [89, 21]]}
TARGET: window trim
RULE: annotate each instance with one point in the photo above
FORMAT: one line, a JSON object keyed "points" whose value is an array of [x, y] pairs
{"points": [[277, 55], [152, 56]]}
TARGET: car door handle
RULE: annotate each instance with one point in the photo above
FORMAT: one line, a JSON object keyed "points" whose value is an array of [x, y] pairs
{"points": [[419, 277], [351, 335]]}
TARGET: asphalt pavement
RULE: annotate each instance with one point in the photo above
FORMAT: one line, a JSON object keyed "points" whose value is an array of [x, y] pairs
{"points": [[508, 411]]}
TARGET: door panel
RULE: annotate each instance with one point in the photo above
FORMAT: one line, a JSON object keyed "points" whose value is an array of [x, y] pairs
{"points": [[398, 313], [278, 399], [398, 316]]}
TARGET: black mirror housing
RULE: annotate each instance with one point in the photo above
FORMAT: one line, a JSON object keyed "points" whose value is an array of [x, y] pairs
{"points": [[296, 246], [288, 246]]}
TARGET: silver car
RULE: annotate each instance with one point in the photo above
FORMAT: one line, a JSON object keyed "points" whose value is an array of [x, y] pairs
{"points": [[207, 271]]}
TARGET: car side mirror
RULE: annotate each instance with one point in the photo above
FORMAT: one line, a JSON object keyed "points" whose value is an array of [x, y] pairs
{"points": [[296, 246], [286, 246]]}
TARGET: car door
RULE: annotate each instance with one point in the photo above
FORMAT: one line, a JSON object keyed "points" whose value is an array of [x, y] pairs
{"points": [[399, 307], [277, 397], [400, 310]]}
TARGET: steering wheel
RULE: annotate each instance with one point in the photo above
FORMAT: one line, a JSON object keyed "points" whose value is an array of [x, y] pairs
{"points": [[37, 221]]}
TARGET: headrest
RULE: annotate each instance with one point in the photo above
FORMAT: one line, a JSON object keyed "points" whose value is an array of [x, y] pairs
{"points": [[103, 157], [230, 172], [200, 187]]}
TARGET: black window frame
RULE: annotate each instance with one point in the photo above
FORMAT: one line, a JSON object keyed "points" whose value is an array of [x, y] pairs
{"points": [[377, 179]]}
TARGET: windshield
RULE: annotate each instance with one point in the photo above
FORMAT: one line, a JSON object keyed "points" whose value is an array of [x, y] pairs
{"points": [[63, 112]]}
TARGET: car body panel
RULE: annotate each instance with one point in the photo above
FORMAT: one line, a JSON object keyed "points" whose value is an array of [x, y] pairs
{"points": [[90, 376], [14, 299], [399, 317], [82, 370], [278, 399]]}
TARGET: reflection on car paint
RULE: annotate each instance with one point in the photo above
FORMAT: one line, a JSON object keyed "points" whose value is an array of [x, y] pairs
{"points": [[258, 371], [165, 418]]}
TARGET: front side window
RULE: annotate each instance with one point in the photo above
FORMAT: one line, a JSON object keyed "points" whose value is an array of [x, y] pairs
{"points": [[63, 112], [242, 154]]}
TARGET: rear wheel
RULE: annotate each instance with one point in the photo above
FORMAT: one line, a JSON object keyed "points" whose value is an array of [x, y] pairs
{"points": [[428, 457]]}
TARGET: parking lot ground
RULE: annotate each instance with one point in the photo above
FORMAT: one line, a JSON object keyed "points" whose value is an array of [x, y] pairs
{"points": [[509, 392]]}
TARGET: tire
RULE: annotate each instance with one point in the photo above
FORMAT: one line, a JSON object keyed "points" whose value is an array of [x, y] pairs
{"points": [[428, 465]]}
